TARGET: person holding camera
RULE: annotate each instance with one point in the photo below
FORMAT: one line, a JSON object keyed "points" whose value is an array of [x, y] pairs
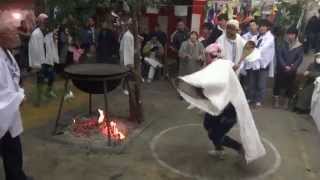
{"points": [[153, 50], [191, 54]]}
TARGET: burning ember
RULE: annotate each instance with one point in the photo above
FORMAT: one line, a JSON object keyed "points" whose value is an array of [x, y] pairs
{"points": [[88, 126]]}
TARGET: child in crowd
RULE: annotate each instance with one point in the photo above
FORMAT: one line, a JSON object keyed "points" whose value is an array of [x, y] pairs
{"points": [[74, 56], [251, 65], [76, 51]]}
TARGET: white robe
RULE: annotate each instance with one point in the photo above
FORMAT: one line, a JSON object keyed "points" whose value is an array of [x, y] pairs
{"points": [[267, 49], [127, 49], [52, 55], [315, 103], [36, 49], [221, 86], [11, 96], [226, 47]]}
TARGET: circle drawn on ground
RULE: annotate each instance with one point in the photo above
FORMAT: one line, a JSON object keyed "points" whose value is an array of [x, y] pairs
{"points": [[183, 150]]}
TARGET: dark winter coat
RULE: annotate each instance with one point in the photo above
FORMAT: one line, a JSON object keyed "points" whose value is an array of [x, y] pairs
{"points": [[287, 56], [107, 46]]}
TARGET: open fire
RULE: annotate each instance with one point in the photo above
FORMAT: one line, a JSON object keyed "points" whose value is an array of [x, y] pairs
{"points": [[86, 127]]}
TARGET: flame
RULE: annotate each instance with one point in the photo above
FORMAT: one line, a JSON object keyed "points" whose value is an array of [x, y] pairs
{"points": [[116, 131], [112, 129], [101, 116]]}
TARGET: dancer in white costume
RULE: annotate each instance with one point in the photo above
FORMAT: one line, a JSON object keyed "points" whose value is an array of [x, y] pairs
{"points": [[217, 91]]}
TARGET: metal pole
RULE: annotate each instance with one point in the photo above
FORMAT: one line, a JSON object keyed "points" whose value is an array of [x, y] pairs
{"points": [[90, 104], [105, 92], [60, 107]]}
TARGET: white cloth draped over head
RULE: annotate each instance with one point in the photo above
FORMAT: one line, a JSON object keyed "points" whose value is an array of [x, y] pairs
{"points": [[220, 87], [127, 49], [36, 49], [315, 103], [11, 95], [52, 55], [227, 48]]}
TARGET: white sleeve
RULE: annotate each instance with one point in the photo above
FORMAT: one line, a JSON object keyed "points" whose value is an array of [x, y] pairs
{"points": [[128, 50], [242, 43], [51, 50], [267, 52], [220, 41], [36, 51], [10, 99]]}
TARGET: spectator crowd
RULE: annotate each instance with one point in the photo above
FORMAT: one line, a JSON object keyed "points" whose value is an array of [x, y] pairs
{"points": [[257, 48]]}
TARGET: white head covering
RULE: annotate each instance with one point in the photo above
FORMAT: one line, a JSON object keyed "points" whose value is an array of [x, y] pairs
{"points": [[42, 17], [234, 23], [213, 50]]}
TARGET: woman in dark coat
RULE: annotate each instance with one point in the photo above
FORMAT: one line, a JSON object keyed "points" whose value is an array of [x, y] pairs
{"points": [[24, 36], [107, 45], [289, 57], [312, 30], [305, 96]]}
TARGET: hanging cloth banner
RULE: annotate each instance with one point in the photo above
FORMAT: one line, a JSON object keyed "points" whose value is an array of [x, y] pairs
{"points": [[181, 10], [152, 10]]}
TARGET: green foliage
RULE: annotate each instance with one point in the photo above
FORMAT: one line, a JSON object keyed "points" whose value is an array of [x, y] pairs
{"points": [[289, 13], [88, 7], [81, 9]]}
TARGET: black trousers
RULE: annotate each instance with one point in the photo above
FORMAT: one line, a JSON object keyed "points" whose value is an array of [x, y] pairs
{"points": [[219, 126], [46, 73], [284, 82], [11, 152]]}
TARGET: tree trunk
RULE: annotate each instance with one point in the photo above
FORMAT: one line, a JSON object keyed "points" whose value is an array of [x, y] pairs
{"points": [[137, 62], [136, 109], [40, 6]]}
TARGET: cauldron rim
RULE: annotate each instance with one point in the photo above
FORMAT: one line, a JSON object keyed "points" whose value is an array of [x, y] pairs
{"points": [[100, 71]]}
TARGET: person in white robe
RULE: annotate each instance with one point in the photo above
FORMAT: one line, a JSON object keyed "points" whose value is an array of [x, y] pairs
{"points": [[126, 49], [36, 44], [232, 44], [217, 91], [37, 55], [11, 98], [266, 45], [315, 102], [127, 46], [51, 58]]}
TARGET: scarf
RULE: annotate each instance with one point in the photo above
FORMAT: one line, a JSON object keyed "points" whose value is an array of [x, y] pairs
{"points": [[295, 44]]}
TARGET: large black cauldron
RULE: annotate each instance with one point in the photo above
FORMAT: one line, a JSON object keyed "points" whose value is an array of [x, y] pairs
{"points": [[90, 78]]}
